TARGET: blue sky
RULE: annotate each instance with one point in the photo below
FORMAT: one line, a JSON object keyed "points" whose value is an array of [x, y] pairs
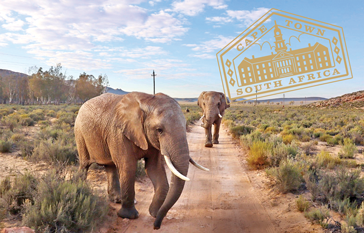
{"points": [[127, 39]]}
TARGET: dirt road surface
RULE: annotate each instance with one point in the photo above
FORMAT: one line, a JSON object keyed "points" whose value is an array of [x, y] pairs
{"points": [[222, 200]]}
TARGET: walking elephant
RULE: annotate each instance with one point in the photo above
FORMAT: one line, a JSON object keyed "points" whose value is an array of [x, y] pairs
{"points": [[118, 130], [213, 105]]}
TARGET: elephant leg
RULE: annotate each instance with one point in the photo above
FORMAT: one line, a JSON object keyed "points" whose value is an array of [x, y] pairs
{"points": [[113, 184], [157, 174], [216, 133], [127, 170], [84, 157], [208, 135]]}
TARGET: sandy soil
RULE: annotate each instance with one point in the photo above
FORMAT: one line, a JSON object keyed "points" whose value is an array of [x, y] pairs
{"points": [[229, 198]]}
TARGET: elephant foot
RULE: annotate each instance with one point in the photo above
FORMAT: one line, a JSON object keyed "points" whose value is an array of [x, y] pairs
{"points": [[130, 213], [216, 141], [208, 144]]}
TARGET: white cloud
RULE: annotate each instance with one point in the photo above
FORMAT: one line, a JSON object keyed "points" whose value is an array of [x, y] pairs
{"points": [[152, 3], [205, 48], [59, 28], [16, 25], [204, 56], [144, 53], [247, 17], [244, 16], [219, 19], [160, 27], [194, 7]]}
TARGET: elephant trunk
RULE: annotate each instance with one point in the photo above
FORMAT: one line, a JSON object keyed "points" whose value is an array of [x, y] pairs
{"points": [[180, 161], [210, 117]]}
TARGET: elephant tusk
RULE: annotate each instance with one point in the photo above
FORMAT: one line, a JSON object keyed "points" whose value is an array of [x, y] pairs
{"points": [[174, 170], [220, 115], [202, 117], [198, 165]]}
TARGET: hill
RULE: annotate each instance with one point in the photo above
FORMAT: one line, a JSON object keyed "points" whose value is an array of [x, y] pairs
{"points": [[6, 73], [355, 99], [116, 91]]}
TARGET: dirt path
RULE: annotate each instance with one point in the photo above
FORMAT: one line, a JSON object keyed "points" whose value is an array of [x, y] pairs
{"points": [[222, 200]]}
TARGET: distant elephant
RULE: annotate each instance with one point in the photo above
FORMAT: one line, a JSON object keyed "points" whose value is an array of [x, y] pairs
{"points": [[118, 130], [213, 105]]}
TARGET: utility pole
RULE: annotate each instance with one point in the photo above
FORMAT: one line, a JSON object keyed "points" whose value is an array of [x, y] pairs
{"points": [[153, 82], [283, 100], [256, 97]]}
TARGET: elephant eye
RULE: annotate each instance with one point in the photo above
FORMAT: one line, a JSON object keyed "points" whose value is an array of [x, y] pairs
{"points": [[218, 104], [159, 130]]}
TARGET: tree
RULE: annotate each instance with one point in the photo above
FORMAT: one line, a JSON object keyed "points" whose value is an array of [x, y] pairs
{"points": [[87, 86]]}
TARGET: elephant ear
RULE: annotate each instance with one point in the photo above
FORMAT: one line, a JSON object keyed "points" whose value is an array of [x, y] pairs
{"points": [[200, 99], [225, 101], [130, 118]]}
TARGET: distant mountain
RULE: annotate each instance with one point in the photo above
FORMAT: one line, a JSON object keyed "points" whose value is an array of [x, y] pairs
{"points": [[355, 99], [7, 73], [297, 99], [186, 99], [286, 100], [116, 91]]}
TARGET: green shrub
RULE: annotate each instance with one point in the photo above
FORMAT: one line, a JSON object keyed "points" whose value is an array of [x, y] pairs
{"points": [[16, 137], [5, 146], [326, 160], [64, 206], [239, 130], [318, 215], [349, 149], [302, 204], [54, 151], [287, 175], [258, 154], [16, 193], [325, 137], [140, 172], [287, 139], [51, 113], [341, 185], [25, 120]]}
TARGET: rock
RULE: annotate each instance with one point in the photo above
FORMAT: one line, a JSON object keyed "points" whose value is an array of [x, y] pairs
{"points": [[18, 230]]}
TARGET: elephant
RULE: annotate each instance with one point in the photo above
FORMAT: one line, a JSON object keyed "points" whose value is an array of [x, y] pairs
{"points": [[118, 130], [213, 105]]}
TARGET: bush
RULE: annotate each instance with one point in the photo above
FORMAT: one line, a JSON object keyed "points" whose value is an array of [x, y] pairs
{"points": [[287, 139], [5, 146], [18, 192], [55, 151], [349, 149], [258, 154], [302, 204], [318, 216], [325, 160], [287, 176], [25, 120], [16, 137], [239, 130], [64, 206], [140, 172]]}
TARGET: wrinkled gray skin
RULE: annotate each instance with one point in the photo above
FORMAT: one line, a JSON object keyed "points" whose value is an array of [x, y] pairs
{"points": [[116, 131], [212, 103]]}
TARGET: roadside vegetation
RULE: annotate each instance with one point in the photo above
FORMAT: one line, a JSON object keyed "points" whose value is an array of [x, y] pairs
{"points": [[307, 150]]}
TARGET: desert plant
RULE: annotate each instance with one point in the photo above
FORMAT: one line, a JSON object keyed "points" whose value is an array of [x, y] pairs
{"points": [[318, 215], [326, 160], [287, 176], [17, 192], [302, 204], [64, 205], [258, 154], [239, 130], [5, 146], [348, 150], [140, 172], [54, 151]]}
